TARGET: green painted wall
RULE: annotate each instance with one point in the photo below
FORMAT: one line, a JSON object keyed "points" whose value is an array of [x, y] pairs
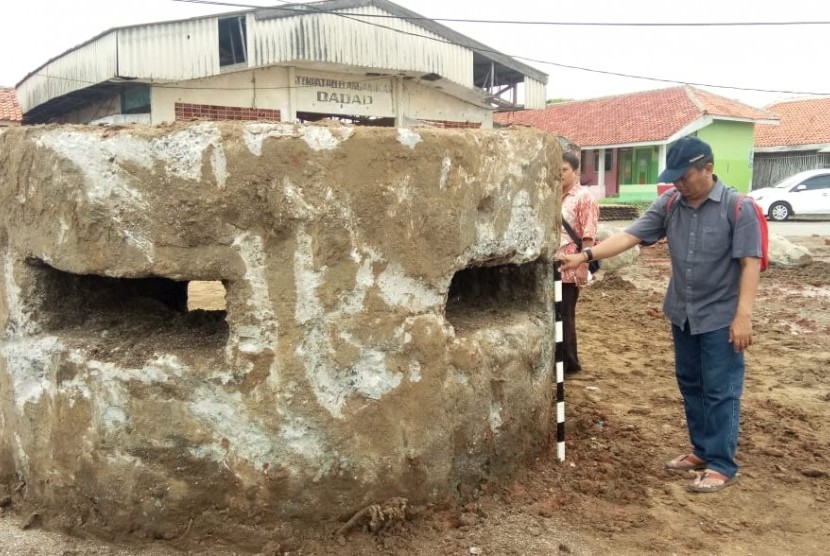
{"points": [[631, 192], [638, 173], [732, 143]]}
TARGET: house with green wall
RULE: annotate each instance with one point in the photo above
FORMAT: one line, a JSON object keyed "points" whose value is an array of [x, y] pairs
{"points": [[624, 139]]}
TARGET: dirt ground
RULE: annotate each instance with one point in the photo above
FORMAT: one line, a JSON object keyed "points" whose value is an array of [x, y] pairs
{"points": [[624, 419]]}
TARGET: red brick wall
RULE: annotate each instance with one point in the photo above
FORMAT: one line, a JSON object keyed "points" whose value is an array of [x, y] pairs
{"points": [[446, 124], [187, 112]]}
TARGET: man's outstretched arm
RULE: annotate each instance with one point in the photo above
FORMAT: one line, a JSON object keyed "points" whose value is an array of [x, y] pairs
{"points": [[613, 245]]}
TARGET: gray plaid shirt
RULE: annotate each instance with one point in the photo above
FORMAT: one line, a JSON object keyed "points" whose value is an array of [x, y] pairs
{"points": [[705, 252]]}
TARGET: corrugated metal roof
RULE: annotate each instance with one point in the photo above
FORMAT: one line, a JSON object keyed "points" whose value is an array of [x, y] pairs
{"points": [[145, 51], [188, 49], [327, 37], [414, 19], [535, 93], [92, 63]]}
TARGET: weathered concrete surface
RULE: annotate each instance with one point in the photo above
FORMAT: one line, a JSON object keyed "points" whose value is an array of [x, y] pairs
{"points": [[350, 366]]}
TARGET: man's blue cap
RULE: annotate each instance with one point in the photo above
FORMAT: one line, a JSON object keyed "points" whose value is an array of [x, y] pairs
{"points": [[685, 152]]}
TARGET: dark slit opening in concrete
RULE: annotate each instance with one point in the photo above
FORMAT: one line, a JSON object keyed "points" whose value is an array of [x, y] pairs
{"points": [[123, 310], [486, 296]]}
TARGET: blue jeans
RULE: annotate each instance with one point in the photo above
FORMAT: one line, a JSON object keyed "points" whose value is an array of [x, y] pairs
{"points": [[710, 375]]}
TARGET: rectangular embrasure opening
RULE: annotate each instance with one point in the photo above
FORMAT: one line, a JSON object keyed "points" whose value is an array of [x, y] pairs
{"points": [[494, 296], [151, 311]]}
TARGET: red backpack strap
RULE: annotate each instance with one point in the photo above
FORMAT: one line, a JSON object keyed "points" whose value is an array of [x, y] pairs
{"points": [[764, 229], [762, 224], [738, 207]]}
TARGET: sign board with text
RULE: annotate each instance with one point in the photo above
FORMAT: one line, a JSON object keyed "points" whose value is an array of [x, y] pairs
{"points": [[347, 95]]}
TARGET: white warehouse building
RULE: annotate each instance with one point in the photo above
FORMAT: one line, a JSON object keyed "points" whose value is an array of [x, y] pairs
{"points": [[364, 61]]}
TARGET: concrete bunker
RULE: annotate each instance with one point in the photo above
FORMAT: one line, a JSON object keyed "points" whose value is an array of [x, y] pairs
{"points": [[369, 274]]}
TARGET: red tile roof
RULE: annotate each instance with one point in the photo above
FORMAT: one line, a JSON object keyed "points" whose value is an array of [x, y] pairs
{"points": [[9, 107], [644, 117], [803, 122]]}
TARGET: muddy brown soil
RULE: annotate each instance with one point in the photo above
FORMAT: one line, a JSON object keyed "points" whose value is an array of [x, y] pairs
{"points": [[624, 419]]}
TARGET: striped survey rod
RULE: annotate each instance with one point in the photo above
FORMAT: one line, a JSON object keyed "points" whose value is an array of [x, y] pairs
{"points": [[559, 358]]}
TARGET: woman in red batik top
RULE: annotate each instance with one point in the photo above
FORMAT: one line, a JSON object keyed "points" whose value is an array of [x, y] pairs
{"points": [[581, 211]]}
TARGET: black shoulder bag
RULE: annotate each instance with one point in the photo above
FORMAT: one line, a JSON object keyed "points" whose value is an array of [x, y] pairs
{"points": [[593, 265]]}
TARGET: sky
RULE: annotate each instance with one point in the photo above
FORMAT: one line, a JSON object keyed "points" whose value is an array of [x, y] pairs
{"points": [[786, 61]]}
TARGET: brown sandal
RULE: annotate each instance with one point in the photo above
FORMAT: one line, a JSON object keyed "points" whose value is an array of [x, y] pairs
{"points": [[686, 462], [711, 481]]}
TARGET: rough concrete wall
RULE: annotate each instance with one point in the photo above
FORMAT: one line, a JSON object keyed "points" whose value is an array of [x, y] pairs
{"points": [[357, 359]]}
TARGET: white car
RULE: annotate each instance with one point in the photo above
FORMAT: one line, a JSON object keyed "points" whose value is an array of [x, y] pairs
{"points": [[803, 194]]}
